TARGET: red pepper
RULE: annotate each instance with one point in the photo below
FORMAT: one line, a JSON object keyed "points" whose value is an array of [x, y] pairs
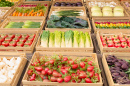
{"points": [[12, 43], [38, 68], [28, 43], [18, 36], [5, 43], [2, 39], [11, 36], [16, 39], [21, 44], [30, 72], [8, 39], [23, 40]]}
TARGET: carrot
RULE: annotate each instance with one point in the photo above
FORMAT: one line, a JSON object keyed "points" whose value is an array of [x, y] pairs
{"points": [[35, 14], [32, 14], [20, 14], [25, 14], [14, 13], [40, 14], [17, 13], [40, 10]]}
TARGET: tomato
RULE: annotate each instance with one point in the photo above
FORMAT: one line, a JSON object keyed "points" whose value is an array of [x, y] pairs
{"points": [[55, 74], [8, 39], [65, 59], [49, 72], [11, 35], [16, 39], [46, 70], [67, 78], [67, 68], [30, 72], [28, 43], [82, 75], [31, 38], [90, 68], [88, 80], [51, 61], [21, 44], [18, 36], [22, 40], [38, 68], [96, 75], [2, 39], [4, 35], [12, 43], [90, 63], [53, 79], [5, 43], [60, 80], [70, 62], [46, 63], [82, 64], [46, 80], [43, 72], [74, 66]]}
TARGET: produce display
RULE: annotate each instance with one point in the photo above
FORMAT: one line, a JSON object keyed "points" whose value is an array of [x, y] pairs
{"points": [[102, 4], [2, 12], [30, 5], [66, 39], [68, 4], [120, 69], [68, 13], [107, 11], [39, 10], [117, 41], [112, 25], [16, 40], [66, 22], [26, 24], [58, 68], [8, 68]]}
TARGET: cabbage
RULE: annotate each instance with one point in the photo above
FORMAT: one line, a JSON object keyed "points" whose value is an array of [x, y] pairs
{"points": [[88, 40], [96, 13], [58, 38], [51, 40], [107, 13], [118, 13], [45, 38], [119, 8], [106, 8], [76, 39], [95, 8]]}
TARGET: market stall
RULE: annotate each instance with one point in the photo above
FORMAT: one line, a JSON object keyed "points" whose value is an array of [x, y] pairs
{"points": [[64, 43]]}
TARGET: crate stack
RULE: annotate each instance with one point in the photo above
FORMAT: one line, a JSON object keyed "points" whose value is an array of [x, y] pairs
{"points": [[39, 33]]}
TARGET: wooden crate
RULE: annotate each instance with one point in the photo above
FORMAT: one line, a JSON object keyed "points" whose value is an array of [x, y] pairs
{"points": [[107, 49], [61, 9], [74, 55], [108, 20], [6, 21], [29, 17], [40, 48], [78, 29], [20, 49], [44, 1], [106, 67], [71, 1], [19, 70]]}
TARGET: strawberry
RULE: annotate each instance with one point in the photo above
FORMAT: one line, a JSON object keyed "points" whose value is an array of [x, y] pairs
{"points": [[117, 45], [116, 41], [67, 78], [60, 80], [110, 45]]}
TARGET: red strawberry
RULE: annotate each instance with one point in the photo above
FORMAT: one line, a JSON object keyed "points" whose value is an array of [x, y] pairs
{"points": [[67, 78], [116, 41], [110, 45]]}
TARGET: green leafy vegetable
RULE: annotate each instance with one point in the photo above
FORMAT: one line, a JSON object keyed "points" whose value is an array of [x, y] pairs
{"points": [[45, 38], [82, 40], [76, 39], [63, 39], [52, 40], [88, 41], [58, 38]]}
